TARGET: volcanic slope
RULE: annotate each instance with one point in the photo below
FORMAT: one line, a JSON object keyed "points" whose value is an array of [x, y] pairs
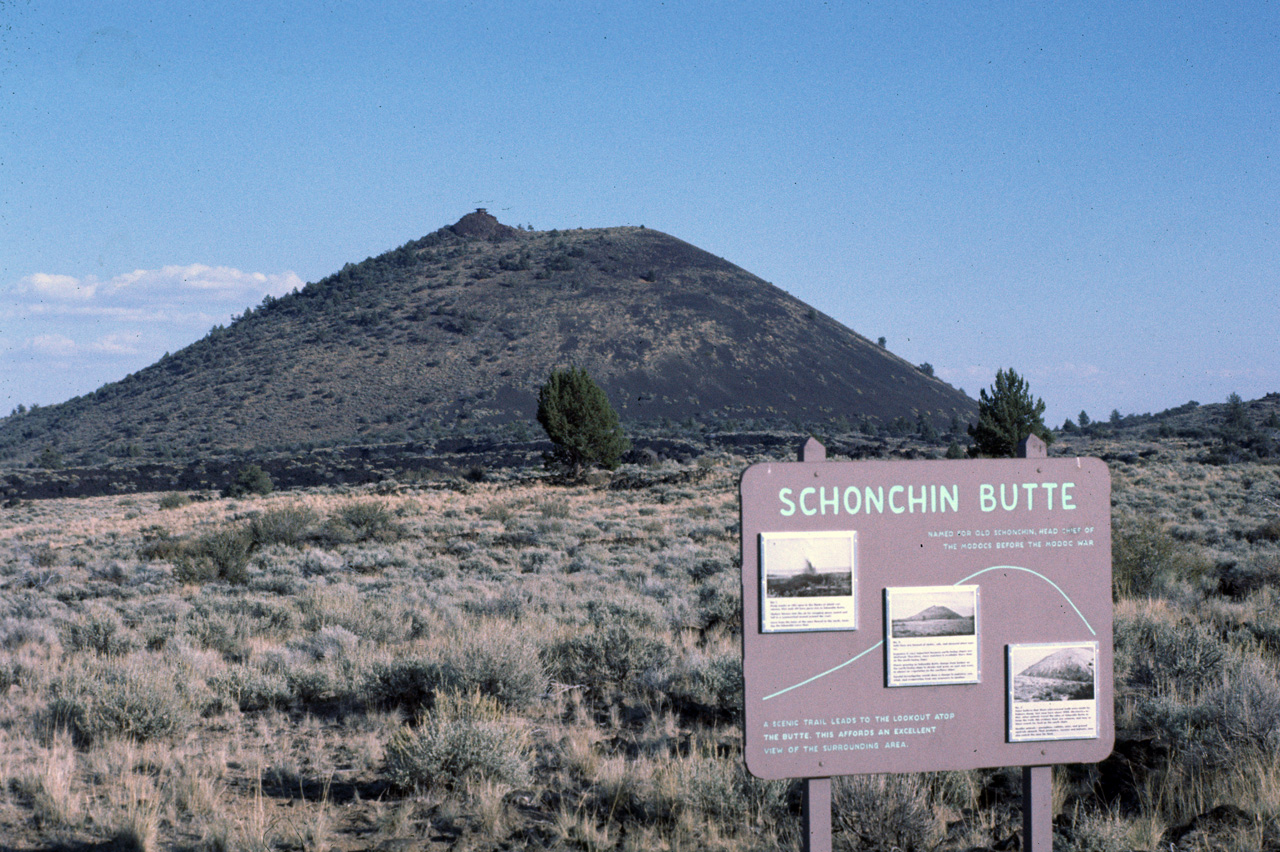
{"points": [[1067, 664], [454, 332], [934, 613]]}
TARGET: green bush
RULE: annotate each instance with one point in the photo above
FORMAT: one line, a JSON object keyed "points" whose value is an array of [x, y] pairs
{"points": [[159, 543], [288, 525], [174, 501], [367, 520], [406, 683], [250, 689], [720, 603], [708, 687], [582, 425], [464, 739], [1091, 832], [250, 480], [1146, 558], [1239, 580], [607, 661], [502, 668], [1006, 416], [719, 789], [884, 813], [1196, 708], [219, 555], [1268, 531], [100, 631], [1153, 654], [135, 698], [499, 665]]}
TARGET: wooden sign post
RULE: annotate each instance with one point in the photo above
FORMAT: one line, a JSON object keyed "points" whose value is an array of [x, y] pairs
{"points": [[916, 616]]}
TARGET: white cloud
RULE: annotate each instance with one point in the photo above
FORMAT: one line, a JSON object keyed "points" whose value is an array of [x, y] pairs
{"points": [[61, 287], [58, 326], [184, 282], [192, 293], [57, 345], [61, 346], [124, 343], [221, 280]]}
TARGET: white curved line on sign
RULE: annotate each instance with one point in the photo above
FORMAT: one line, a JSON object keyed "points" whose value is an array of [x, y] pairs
{"points": [[957, 583]]}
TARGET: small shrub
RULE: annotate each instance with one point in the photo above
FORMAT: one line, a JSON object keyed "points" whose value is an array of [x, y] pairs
{"points": [[720, 604], [1094, 833], [499, 666], [322, 562], [464, 739], [502, 512], [1146, 558], [250, 689], [709, 687], [133, 699], [715, 788], [1269, 531], [363, 521], [407, 683], [1198, 711], [1238, 580], [100, 631], [221, 632], [159, 544], [174, 501], [317, 686], [288, 525], [45, 556], [332, 642], [606, 661], [250, 480], [1153, 653], [550, 508], [221, 554], [50, 459], [882, 813]]}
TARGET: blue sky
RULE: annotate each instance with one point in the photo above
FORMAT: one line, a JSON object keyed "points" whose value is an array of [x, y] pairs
{"points": [[1088, 193]]}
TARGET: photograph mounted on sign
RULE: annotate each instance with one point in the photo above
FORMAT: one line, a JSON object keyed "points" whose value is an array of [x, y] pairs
{"points": [[1053, 690], [932, 635], [808, 581]]}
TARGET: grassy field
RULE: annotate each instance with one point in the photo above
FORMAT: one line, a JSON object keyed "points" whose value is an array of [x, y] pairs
{"points": [[519, 665]]}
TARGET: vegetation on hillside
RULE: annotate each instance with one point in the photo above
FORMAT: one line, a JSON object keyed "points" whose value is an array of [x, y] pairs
{"points": [[507, 664], [452, 334]]}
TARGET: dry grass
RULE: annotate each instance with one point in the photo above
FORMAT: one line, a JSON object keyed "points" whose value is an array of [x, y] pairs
{"points": [[375, 635]]}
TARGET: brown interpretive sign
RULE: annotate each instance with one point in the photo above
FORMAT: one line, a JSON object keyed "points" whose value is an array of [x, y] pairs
{"points": [[912, 616]]}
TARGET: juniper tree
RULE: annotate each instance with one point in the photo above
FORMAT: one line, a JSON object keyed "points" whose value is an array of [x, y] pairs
{"points": [[577, 417], [1006, 416]]}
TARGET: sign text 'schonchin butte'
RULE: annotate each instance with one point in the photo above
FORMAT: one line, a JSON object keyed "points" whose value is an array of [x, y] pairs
{"points": [[925, 499]]}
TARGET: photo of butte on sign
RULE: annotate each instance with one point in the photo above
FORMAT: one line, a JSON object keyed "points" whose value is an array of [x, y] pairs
{"points": [[997, 575]]}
